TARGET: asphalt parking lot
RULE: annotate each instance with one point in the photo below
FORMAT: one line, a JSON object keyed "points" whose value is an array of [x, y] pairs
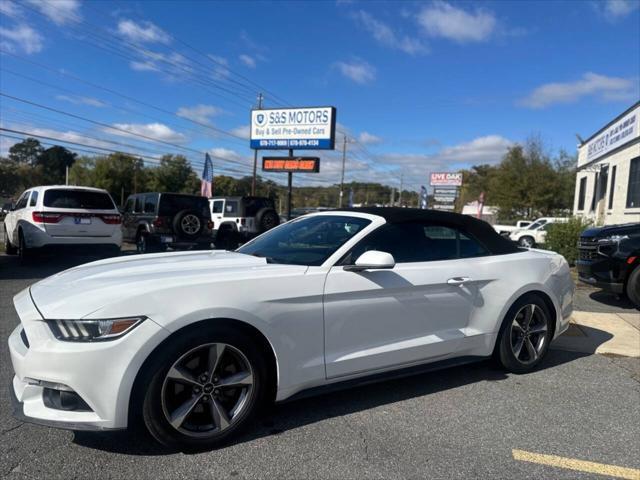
{"points": [[466, 422]]}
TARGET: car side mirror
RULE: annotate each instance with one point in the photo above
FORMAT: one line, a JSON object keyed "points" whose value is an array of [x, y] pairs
{"points": [[372, 260]]}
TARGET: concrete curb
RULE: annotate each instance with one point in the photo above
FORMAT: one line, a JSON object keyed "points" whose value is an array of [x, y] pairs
{"points": [[604, 333]]}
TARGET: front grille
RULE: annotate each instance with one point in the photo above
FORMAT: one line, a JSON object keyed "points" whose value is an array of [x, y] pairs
{"points": [[24, 338], [587, 248]]}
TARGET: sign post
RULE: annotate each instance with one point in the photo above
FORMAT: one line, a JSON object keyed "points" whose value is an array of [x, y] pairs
{"points": [[310, 128]]}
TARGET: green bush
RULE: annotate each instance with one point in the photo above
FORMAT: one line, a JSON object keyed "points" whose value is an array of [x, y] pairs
{"points": [[563, 238]]}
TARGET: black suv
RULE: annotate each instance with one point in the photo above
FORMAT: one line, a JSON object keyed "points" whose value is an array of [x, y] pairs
{"points": [[610, 259], [155, 221]]}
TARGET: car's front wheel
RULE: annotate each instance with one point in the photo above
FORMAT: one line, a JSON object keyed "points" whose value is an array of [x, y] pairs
{"points": [[525, 335], [9, 248], [206, 386], [633, 287], [527, 242]]}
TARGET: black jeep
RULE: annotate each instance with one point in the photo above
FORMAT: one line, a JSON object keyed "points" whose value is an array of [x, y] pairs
{"points": [[155, 221]]}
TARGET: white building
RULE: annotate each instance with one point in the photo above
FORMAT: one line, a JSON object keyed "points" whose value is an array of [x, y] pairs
{"points": [[608, 179]]}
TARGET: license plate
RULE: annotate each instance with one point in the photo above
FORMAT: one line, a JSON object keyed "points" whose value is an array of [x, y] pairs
{"points": [[166, 239], [81, 221]]}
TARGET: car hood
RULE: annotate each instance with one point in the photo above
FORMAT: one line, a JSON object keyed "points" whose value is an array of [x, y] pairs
{"points": [[624, 229], [80, 291]]}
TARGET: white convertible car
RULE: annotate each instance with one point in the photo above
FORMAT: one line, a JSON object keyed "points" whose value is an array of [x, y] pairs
{"points": [[193, 343]]}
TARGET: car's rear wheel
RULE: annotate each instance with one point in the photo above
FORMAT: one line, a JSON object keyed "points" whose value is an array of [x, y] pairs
{"points": [[527, 242], [9, 248], [633, 287], [206, 386], [24, 252], [525, 335]]}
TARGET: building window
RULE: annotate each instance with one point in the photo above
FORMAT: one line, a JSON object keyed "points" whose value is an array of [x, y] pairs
{"points": [[595, 192], [612, 188], [633, 191], [581, 193]]}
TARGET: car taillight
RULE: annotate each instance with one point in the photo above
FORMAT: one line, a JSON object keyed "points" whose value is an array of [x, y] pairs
{"points": [[46, 217], [111, 219], [158, 222]]}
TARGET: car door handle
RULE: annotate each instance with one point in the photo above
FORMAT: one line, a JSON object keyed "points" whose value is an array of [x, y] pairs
{"points": [[458, 280]]}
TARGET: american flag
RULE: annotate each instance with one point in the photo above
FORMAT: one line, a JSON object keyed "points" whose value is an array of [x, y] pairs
{"points": [[206, 185]]}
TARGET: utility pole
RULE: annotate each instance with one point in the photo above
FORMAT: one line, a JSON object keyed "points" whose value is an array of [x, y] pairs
{"points": [[344, 157], [255, 155], [400, 196], [66, 175]]}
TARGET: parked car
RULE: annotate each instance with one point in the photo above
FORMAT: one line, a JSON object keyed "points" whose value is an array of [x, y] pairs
{"points": [[535, 233], [505, 230], [57, 216], [155, 221], [609, 258], [193, 343], [238, 219]]}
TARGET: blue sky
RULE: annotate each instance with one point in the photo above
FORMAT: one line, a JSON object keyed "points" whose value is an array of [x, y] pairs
{"points": [[418, 86]]}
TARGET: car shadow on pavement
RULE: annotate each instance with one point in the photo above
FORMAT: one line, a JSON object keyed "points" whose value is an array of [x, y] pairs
{"points": [[612, 300], [291, 415]]}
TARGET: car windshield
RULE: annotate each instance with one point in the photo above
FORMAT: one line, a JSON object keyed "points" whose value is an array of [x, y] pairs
{"points": [[536, 224], [305, 241], [87, 199]]}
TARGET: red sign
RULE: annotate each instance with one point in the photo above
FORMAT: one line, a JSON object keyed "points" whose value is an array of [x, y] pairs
{"points": [[446, 179], [291, 164]]}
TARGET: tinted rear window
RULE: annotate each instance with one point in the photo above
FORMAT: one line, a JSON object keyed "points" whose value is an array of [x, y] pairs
{"points": [[78, 199], [172, 204]]}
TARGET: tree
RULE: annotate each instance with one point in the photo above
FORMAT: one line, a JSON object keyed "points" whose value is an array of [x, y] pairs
{"points": [[82, 172], [26, 151], [120, 174], [54, 161], [174, 174], [16, 177]]}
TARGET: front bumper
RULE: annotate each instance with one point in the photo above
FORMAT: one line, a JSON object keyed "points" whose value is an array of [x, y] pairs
{"points": [[101, 373], [603, 273]]}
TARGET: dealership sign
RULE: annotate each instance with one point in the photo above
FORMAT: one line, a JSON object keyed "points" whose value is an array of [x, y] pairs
{"points": [[291, 164], [617, 134], [294, 128], [446, 179]]}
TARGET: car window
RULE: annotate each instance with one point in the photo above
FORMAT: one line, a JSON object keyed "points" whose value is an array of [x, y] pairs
{"points": [[128, 207], [22, 201], [171, 204], [536, 224], [86, 199], [139, 204], [417, 242], [306, 240], [150, 203], [231, 208], [34, 198], [217, 206]]}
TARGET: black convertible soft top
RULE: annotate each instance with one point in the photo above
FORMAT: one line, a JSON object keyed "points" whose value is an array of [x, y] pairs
{"points": [[479, 229]]}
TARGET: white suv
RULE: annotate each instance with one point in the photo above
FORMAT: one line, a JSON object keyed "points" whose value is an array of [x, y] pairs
{"points": [[536, 233], [62, 215]]}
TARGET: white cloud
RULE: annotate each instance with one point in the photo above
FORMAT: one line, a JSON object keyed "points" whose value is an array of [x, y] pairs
{"points": [[357, 70], [369, 139], [615, 9], [59, 11], [221, 69], [143, 66], [143, 32], [199, 113], [10, 9], [21, 37], [80, 100], [444, 20], [248, 61], [227, 154], [591, 84], [384, 35], [172, 65], [158, 131], [243, 131]]}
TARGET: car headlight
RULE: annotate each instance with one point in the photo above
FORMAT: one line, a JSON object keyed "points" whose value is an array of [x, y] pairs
{"points": [[93, 330], [613, 239]]}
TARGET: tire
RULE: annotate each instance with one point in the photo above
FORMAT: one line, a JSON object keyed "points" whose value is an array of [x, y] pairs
{"points": [[188, 224], [227, 238], [142, 245], [526, 242], [179, 379], [266, 219], [633, 287], [24, 253], [9, 248], [517, 338]]}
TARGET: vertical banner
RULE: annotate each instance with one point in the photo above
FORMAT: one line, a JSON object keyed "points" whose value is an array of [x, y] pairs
{"points": [[206, 184], [423, 197]]}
